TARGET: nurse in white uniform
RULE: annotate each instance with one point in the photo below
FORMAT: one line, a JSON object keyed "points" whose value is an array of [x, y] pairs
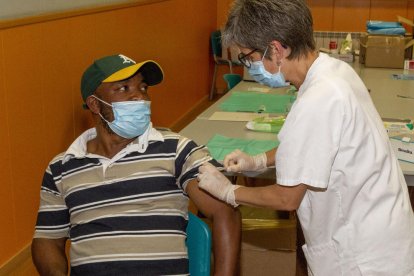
{"points": [[334, 164]]}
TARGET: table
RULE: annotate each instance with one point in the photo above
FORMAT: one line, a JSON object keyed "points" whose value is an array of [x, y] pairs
{"points": [[383, 90], [384, 93]]}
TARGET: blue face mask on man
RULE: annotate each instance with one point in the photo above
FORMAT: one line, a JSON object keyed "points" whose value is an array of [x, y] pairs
{"points": [[259, 74], [132, 118]]}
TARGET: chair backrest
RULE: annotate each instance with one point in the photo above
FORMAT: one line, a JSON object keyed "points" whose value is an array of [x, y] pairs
{"points": [[216, 43], [232, 80], [199, 246]]}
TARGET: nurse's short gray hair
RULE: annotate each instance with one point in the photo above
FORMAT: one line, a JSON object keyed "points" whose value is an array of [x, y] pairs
{"points": [[254, 24]]}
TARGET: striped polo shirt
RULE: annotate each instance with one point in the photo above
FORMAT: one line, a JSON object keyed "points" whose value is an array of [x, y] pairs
{"points": [[126, 215]]}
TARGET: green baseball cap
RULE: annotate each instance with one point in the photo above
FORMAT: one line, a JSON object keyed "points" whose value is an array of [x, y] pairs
{"points": [[115, 68]]}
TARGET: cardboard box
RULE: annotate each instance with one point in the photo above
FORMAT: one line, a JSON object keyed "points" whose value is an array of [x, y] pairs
{"points": [[384, 51], [387, 51], [268, 237], [261, 262], [409, 53], [268, 242], [268, 229], [403, 146]]}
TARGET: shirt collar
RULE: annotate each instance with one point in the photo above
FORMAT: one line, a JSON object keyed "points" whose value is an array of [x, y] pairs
{"points": [[78, 149], [312, 70]]}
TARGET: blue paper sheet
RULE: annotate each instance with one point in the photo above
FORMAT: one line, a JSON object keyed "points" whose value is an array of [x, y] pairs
{"points": [[385, 28]]}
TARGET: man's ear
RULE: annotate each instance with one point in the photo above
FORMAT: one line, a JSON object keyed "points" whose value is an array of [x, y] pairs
{"points": [[93, 104]]}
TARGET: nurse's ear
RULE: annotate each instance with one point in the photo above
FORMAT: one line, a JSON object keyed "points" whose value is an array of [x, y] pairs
{"points": [[279, 50]]}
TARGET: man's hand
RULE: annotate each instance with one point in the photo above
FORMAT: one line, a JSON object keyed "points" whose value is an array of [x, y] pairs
{"points": [[238, 161], [214, 182]]}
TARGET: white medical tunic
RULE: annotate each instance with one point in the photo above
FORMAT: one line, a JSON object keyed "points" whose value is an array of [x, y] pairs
{"points": [[356, 215]]}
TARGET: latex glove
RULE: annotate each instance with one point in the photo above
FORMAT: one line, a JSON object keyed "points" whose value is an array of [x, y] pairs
{"points": [[214, 182], [238, 161]]}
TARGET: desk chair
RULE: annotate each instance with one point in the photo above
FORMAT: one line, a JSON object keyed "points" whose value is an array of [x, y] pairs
{"points": [[232, 80], [219, 59], [199, 246]]}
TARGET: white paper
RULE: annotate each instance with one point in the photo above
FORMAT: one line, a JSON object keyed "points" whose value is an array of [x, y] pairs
{"points": [[258, 89], [236, 116]]}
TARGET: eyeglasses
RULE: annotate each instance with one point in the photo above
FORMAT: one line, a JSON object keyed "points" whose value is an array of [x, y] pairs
{"points": [[244, 58]]}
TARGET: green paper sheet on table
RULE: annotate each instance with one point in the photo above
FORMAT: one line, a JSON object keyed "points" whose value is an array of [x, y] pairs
{"points": [[219, 146], [243, 101]]}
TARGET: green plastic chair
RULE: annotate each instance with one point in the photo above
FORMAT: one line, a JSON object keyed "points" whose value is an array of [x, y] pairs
{"points": [[232, 80], [199, 246], [216, 47]]}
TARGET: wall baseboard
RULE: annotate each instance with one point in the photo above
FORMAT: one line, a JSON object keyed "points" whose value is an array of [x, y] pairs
{"points": [[19, 265], [185, 119]]}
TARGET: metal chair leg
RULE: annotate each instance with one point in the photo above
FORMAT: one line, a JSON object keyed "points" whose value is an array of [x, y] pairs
{"points": [[213, 83]]}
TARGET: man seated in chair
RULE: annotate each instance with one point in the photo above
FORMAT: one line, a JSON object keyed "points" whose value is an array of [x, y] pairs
{"points": [[120, 192]]}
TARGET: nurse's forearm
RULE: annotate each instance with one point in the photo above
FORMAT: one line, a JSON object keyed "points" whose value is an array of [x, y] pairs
{"points": [[271, 157], [274, 196]]}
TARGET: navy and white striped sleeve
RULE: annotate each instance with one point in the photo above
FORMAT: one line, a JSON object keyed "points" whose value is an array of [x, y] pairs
{"points": [[189, 157], [53, 215]]}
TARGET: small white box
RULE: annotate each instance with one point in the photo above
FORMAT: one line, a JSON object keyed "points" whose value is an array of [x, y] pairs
{"points": [[403, 146], [409, 64], [345, 57]]}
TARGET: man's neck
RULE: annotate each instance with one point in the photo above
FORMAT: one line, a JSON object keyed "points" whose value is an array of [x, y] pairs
{"points": [[106, 144]]}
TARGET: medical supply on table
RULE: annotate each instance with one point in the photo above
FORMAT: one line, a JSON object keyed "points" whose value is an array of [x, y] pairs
{"points": [[346, 45], [266, 124], [397, 127], [409, 64], [333, 46], [403, 146], [402, 77], [292, 91]]}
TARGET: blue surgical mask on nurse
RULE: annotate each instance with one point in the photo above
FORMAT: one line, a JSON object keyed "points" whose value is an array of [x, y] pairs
{"points": [[262, 76]]}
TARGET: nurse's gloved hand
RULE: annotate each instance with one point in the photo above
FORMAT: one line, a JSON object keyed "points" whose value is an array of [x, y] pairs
{"points": [[214, 182], [238, 161]]}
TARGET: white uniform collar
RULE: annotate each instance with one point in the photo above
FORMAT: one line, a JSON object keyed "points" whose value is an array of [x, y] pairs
{"points": [[309, 75], [78, 148]]}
